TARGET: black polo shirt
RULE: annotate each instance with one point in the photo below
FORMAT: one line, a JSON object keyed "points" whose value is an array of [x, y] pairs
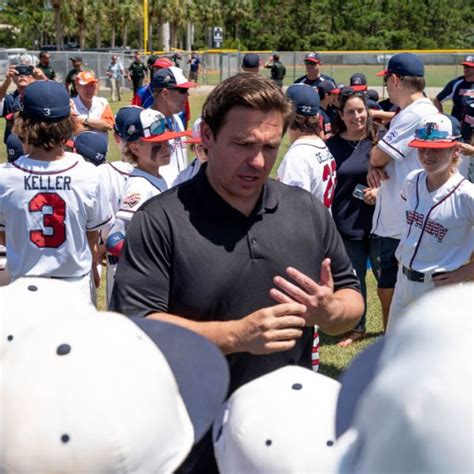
{"points": [[190, 253]]}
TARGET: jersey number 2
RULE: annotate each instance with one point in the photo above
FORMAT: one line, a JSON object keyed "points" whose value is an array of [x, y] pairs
{"points": [[329, 171], [53, 220]]}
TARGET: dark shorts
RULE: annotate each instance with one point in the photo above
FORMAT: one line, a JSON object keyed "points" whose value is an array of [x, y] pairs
{"points": [[388, 262]]}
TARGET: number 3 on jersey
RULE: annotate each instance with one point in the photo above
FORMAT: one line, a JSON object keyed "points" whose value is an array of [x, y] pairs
{"points": [[53, 218], [329, 175]]}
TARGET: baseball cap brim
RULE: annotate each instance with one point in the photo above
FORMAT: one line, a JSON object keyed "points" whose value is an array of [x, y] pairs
{"points": [[468, 63], [84, 83], [203, 387], [185, 85], [383, 73], [432, 143], [360, 88], [164, 137], [312, 60], [193, 141]]}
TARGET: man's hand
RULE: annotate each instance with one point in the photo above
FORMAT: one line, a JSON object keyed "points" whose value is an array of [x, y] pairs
{"points": [[317, 297], [375, 176], [271, 329], [39, 75], [465, 148]]}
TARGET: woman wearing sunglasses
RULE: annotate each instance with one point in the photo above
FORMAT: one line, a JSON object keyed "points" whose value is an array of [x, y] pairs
{"points": [[353, 203], [437, 244], [148, 148]]}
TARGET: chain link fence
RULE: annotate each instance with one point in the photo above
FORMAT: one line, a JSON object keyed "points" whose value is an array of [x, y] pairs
{"points": [[217, 66]]}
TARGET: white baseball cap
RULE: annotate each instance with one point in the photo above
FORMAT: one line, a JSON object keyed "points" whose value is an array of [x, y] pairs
{"points": [[416, 413], [282, 421], [99, 392]]}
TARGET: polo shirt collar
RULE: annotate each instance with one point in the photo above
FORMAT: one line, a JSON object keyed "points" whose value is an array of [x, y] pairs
{"points": [[217, 206]]}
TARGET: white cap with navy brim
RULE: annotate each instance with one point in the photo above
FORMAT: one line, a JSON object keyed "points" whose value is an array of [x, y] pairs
{"points": [[415, 413], [99, 392], [280, 422]]}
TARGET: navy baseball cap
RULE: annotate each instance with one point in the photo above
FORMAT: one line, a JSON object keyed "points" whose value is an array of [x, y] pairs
{"points": [[305, 98], [404, 64], [251, 60], [326, 87], [313, 58], [92, 146], [14, 147], [358, 82], [148, 125], [45, 100], [468, 61], [171, 78], [121, 118], [372, 94], [76, 59]]}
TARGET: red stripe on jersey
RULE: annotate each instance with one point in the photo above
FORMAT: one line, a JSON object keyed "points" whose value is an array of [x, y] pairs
{"points": [[44, 172], [119, 171]]}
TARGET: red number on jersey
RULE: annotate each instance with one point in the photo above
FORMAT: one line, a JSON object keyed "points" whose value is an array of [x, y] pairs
{"points": [[53, 220], [329, 175]]}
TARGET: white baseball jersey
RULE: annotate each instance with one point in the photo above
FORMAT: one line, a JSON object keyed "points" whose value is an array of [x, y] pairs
{"points": [[308, 164], [179, 157], [113, 176], [46, 208], [438, 233], [389, 219], [188, 173], [139, 187]]}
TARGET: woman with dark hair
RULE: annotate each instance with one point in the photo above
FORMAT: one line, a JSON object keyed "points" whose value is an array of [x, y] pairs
{"points": [[353, 202]]}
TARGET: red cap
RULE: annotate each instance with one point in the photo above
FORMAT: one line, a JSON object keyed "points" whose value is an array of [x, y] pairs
{"points": [[163, 63]]}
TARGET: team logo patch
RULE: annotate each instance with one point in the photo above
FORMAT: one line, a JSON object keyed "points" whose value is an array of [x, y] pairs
{"points": [[132, 200]]}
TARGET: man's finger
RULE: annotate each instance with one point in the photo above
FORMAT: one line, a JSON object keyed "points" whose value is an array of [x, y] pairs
{"points": [[288, 308], [303, 280], [287, 334], [290, 321], [291, 290], [280, 297], [279, 346], [326, 274]]}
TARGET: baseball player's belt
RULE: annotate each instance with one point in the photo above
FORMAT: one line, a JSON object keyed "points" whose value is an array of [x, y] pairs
{"points": [[419, 277]]}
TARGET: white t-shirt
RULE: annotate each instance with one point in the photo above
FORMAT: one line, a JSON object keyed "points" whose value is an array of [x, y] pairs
{"points": [[46, 208], [389, 220], [113, 176], [100, 109], [308, 164], [179, 156], [438, 233]]}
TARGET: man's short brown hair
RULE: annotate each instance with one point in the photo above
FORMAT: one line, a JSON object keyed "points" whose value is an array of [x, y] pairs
{"points": [[46, 135], [245, 90], [415, 84]]}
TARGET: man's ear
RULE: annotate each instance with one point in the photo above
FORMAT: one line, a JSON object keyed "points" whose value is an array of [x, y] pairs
{"points": [[207, 137]]}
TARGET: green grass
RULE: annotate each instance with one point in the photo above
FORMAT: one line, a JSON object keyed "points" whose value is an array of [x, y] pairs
{"points": [[436, 76]]}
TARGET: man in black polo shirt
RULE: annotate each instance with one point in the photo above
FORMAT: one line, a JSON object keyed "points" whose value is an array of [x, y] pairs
{"points": [[235, 256]]}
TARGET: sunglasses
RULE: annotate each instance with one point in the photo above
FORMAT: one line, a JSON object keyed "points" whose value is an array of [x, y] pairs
{"points": [[158, 127], [349, 92], [429, 133], [311, 63], [385, 79], [181, 90]]}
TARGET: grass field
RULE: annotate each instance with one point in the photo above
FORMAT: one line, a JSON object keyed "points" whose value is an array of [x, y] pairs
{"points": [[436, 76], [333, 358]]}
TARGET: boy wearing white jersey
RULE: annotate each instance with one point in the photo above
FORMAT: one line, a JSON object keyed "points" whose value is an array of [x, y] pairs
{"points": [[51, 201], [308, 163], [147, 137], [393, 160], [171, 92], [436, 247]]}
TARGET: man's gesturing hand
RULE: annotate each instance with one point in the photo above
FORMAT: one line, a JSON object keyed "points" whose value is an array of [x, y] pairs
{"points": [[317, 297], [271, 329]]}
